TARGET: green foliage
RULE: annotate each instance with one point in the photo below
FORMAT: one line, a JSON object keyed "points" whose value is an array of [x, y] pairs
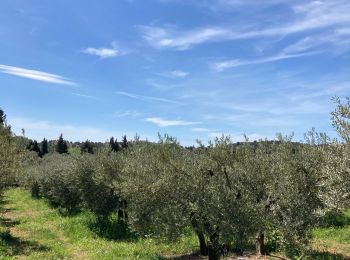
{"points": [[10, 154], [34, 147], [74, 150], [61, 146], [336, 219], [57, 181], [44, 147], [125, 143], [2, 117], [159, 182], [72, 182], [336, 176], [341, 118], [114, 144], [225, 193], [99, 182], [87, 147]]}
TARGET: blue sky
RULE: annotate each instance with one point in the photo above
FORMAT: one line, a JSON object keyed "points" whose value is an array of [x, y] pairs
{"points": [[194, 69]]}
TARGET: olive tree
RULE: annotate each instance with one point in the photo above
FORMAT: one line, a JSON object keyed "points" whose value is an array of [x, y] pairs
{"points": [[54, 175], [294, 191], [336, 171], [171, 189], [239, 184], [269, 187], [165, 184], [341, 118], [10, 154], [99, 183]]}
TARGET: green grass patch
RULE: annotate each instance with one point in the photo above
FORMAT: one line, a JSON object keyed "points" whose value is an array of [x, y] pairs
{"points": [[30, 228], [334, 236]]}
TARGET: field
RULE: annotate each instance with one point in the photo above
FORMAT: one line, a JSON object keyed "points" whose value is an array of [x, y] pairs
{"points": [[40, 232], [31, 229]]}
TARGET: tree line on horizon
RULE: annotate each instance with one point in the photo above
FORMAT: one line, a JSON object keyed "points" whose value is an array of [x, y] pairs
{"points": [[271, 193], [63, 146]]}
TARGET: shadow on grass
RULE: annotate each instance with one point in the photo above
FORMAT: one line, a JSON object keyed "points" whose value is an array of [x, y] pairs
{"points": [[324, 256], [193, 256], [3, 201], [6, 222], [13, 246], [64, 212], [10, 245], [112, 229], [298, 252]]}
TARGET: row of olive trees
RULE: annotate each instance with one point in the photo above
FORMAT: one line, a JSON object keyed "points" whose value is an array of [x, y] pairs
{"points": [[10, 154], [74, 182], [228, 194]]}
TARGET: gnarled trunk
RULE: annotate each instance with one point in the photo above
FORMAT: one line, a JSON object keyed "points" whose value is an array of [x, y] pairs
{"points": [[201, 238], [259, 243], [125, 211], [214, 248], [122, 212], [120, 215], [202, 243]]}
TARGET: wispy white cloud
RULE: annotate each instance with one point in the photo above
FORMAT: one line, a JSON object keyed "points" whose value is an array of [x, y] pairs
{"points": [[202, 129], [174, 74], [337, 41], [308, 16], [179, 74], [223, 65], [280, 106], [239, 3], [163, 86], [82, 95], [147, 98], [101, 52], [331, 89], [165, 123], [168, 37], [128, 113], [227, 5], [36, 75]]}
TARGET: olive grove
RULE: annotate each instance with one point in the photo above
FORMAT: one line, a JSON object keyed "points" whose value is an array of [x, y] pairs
{"points": [[266, 193]]}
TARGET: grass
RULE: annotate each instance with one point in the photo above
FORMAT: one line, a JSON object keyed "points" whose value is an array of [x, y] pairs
{"points": [[30, 229], [335, 236]]}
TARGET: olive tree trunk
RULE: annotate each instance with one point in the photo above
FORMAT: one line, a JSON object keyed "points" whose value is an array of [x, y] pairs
{"points": [[214, 249], [202, 243], [201, 238], [259, 243]]}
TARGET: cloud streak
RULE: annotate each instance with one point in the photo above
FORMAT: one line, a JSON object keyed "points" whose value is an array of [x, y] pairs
{"points": [[167, 37], [223, 65], [83, 95], [179, 74], [101, 52], [305, 17], [128, 113], [36, 75], [146, 98], [165, 123], [202, 130]]}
